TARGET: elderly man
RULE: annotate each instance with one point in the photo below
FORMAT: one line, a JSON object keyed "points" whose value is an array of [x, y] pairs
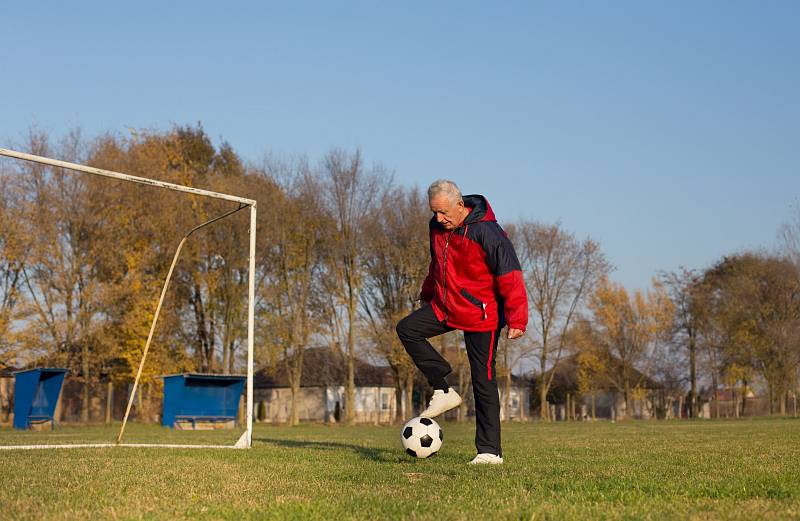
{"points": [[474, 284]]}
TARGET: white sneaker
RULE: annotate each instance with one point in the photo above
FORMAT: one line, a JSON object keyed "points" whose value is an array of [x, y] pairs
{"points": [[485, 458], [441, 403]]}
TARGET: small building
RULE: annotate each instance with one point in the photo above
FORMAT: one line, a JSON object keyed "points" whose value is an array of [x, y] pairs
{"points": [[604, 399], [734, 402], [322, 393], [201, 401], [36, 394], [520, 394]]}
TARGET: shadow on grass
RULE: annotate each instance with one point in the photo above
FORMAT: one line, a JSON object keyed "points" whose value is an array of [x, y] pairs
{"points": [[370, 453]]}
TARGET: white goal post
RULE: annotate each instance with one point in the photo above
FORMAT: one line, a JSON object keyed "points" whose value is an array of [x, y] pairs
{"points": [[246, 439]]}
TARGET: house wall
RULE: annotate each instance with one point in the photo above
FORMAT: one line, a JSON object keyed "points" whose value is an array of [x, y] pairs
{"points": [[611, 405], [373, 404], [519, 403], [275, 405]]}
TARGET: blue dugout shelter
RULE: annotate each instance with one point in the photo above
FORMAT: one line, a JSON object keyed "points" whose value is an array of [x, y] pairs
{"points": [[36, 394], [201, 397]]}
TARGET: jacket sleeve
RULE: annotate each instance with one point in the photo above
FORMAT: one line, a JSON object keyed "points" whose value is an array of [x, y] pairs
{"points": [[503, 261]]}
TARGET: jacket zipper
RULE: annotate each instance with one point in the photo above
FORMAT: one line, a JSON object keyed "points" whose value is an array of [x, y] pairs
{"points": [[446, 246]]}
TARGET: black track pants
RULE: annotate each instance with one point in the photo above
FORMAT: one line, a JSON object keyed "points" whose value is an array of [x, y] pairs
{"points": [[414, 332]]}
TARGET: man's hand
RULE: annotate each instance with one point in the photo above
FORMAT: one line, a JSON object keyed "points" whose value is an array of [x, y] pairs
{"points": [[512, 333]]}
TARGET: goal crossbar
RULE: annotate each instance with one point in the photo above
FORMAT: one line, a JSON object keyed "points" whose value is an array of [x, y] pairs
{"points": [[246, 439], [124, 177]]}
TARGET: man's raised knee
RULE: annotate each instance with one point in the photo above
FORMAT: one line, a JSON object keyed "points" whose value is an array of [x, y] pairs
{"points": [[402, 328]]}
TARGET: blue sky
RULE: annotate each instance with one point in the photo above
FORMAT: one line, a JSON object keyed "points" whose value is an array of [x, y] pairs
{"points": [[669, 132]]}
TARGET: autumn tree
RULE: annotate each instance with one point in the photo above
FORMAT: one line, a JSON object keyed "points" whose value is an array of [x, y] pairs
{"points": [[592, 362], [64, 276], [754, 301], [205, 307], [628, 328], [12, 259]]}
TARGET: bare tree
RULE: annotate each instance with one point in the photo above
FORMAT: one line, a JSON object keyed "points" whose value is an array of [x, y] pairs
{"points": [[295, 256], [352, 196], [560, 273], [790, 235], [395, 259], [63, 277]]}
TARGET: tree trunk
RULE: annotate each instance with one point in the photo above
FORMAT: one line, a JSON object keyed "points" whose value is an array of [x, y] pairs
{"points": [[594, 411], [350, 400], [410, 393], [109, 400], [377, 405], [295, 379], [399, 406], [783, 402], [627, 398], [692, 377], [543, 408], [139, 403], [507, 397], [294, 416], [464, 383], [744, 396], [85, 406], [226, 357], [462, 409], [568, 407], [771, 398]]}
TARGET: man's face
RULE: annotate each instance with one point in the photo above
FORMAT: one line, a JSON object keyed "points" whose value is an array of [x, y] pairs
{"points": [[448, 213]]}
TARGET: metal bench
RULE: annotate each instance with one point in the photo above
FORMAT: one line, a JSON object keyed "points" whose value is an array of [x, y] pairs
{"points": [[35, 422], [204, 421]]}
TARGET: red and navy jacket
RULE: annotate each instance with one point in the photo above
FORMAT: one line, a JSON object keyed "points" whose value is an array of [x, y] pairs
{"points": [[474, 281]]}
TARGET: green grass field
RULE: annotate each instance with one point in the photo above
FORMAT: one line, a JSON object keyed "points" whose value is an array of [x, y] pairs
{"points": [[747, 469]]}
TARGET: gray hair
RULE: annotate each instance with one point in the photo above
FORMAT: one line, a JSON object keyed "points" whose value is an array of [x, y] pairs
{"points": [[446, 187]]}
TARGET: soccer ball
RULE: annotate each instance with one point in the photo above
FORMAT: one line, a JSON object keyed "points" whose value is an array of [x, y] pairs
{"points": [[422, 437]]}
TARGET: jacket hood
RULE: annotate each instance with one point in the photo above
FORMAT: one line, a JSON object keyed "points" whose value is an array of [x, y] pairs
{"points": [[481, 211]]}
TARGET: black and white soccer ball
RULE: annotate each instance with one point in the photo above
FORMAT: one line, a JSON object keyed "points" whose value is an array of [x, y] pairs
{"points": [[422, 437]]}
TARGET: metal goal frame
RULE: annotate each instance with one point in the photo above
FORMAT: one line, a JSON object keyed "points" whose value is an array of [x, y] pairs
{"points": [[246, 439]]}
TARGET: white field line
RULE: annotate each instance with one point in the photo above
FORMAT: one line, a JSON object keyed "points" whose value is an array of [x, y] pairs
{"points": [[109, 445]]}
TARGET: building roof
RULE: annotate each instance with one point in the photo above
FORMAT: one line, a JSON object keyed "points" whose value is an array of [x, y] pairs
{"points": [[322, 367], [207, 376]]}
